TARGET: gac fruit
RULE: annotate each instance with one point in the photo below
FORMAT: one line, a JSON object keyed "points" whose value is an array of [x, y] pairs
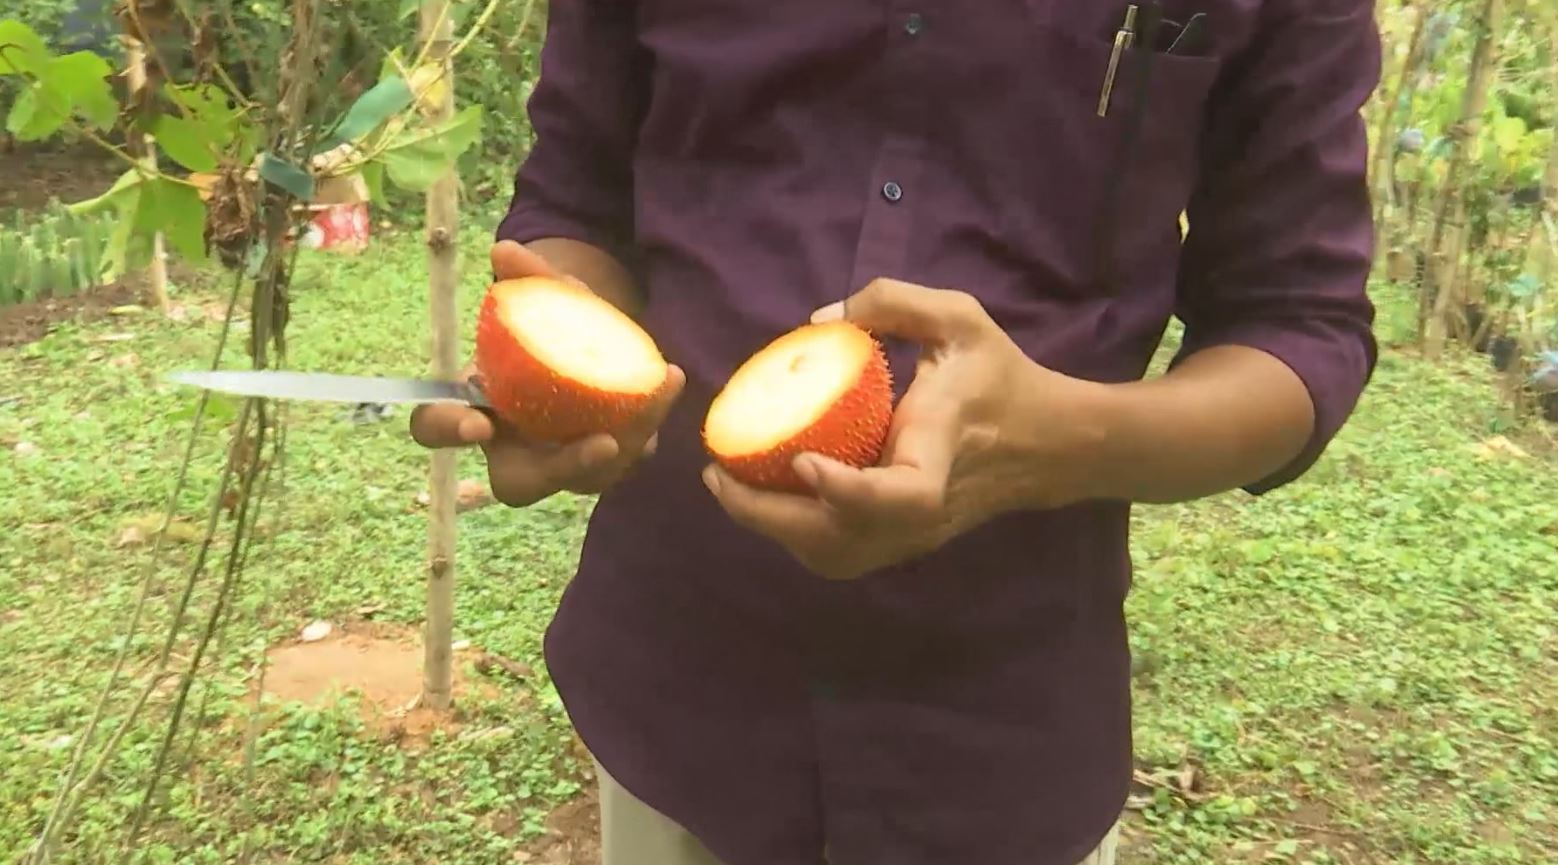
{"points": [[822, 388], [560, 363]]}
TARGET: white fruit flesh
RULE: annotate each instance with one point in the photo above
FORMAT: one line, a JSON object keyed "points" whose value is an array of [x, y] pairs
{"points": [[785, 388], [581, 337]]}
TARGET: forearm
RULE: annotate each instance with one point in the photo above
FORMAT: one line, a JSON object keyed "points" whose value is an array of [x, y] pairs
{"points": [[596, 268], [1223, 418]]}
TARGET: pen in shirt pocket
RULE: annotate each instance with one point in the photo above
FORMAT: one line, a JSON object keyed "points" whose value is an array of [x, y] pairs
{"points": [[1122, 40], [1187, 42]]}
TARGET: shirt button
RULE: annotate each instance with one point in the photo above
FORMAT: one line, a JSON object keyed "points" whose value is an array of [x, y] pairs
{"points": [[914, 24], [892, 191]]}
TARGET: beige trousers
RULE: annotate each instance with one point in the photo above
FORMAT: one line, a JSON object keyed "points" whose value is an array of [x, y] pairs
{"points": [[632, 833]]}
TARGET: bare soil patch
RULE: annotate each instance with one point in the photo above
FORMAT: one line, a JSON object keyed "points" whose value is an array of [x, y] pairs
{"points": [[380, 665], [23, 323], [572, 835], [36, 173]]}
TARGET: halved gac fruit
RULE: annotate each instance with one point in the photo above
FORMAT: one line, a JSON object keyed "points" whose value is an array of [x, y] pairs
{"points": [[560, 363], [822, 388]]}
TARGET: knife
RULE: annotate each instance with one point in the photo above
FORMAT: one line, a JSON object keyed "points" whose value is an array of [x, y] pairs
{"points": [[329, 387]]}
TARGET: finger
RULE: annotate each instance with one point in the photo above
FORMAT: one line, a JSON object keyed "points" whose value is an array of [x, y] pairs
{"points": [[647, 424], [794, 521], [511, 260], [910, 484], [904, 495], [445, 425], [521, 475], [915, 312]]}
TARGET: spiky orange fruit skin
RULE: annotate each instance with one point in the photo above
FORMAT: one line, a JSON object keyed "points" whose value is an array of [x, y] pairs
{"points": [[518, 330], [845, 416]]}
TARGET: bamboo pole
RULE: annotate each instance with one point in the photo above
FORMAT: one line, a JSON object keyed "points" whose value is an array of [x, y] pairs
{"points": [[443, 282], [1381, 179], [1439, 286], [1541, 251]]}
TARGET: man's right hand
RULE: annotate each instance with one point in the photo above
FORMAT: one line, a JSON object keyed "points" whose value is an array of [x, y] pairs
{"points": [[522, 473]]}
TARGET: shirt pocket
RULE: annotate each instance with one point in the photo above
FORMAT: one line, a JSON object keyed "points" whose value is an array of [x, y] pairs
{"points": [[1099, 197]]}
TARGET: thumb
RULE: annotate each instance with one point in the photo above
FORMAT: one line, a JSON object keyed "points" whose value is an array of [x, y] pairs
{"points": [[914, 312], [511, 260]]}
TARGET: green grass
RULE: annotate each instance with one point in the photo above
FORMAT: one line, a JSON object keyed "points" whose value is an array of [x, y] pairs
{"points": [[1362, 667]]}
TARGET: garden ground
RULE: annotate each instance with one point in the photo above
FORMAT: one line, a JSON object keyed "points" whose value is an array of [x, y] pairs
{"points": [[1359, 668]]}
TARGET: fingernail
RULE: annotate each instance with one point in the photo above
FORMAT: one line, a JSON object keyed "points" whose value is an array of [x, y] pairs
{"points": [[831, 312], [711, 480], [807, 468]]}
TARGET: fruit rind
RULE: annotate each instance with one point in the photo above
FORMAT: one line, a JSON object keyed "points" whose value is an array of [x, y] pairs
{"points": [[852, 414], [549, 392]]}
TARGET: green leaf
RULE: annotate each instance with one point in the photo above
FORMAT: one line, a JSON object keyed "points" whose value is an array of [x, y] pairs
{"points": [[83, 77], [29, 119], [147, 204], [287, 176], [121, 196], [373, 176], [175, 209], [416, 160], [117, 255], [408, 7], [189, 142], [371, 109], [205, 105], [394, 62], [65, 85], [22, 51]]}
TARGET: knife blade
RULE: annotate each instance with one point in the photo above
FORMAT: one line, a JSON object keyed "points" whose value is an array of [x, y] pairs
{"points": [[330, 387]]}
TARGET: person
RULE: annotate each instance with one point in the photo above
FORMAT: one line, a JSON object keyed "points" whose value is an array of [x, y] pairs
{"points": [[924, 661]]}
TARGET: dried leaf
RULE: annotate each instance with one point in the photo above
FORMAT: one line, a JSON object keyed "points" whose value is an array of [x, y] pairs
{"points": [[1187, 779], [472, 495], [1499, 446], [25, 449], [143, 529], [316, 631], [130, 536], [489, 663]]}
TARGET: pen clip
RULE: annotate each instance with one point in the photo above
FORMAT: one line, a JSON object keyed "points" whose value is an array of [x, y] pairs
{"points": [[1123, 39]]}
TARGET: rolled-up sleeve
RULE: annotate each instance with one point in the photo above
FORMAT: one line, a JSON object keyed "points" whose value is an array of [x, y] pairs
{"points": [[1280, 228], [577, 179]]}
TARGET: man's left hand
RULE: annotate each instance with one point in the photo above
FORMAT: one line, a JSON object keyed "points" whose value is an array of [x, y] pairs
{"points": [[982, 430]]}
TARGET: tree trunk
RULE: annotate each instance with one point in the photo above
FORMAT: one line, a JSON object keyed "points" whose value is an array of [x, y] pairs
{"points": [[1438, 287], [443, 283]]}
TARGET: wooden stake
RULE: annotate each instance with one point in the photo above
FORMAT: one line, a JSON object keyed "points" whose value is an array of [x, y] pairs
{"points": [[135, 77], [443, 284]]}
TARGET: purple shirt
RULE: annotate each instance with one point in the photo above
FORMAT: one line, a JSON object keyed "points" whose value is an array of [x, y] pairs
{"points": [[756, 159]]}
